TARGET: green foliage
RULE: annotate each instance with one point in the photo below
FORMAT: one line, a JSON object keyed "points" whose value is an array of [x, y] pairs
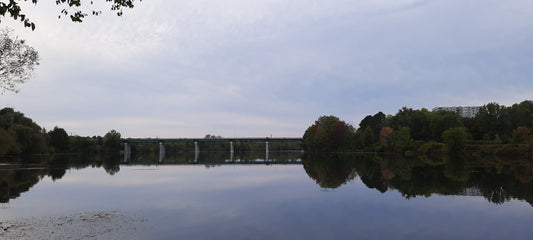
{"points": [[401, 119], [521, 114], [112, 141], [492, 119], [416, 120], [209, 136], [420, 125], [430, 147], [367, 138], [59, 139], [77, 14], [20, 134], [328, 134], [424, 125], [455, 139], [401, 139], [8, 143], [442, 121], [79, 144], [375, 123], [522, 135], [493, 123]]}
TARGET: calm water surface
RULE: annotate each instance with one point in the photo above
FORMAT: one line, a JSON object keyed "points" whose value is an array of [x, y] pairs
{"points": [[352, 199]]}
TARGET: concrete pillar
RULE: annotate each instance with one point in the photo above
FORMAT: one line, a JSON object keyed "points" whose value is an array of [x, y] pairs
{"points": [[231, 151], [266, 150], [196, 151], [161, 151], [127, 152]]}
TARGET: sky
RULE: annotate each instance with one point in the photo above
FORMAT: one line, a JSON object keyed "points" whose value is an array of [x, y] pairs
{"points": [[262, 68]]}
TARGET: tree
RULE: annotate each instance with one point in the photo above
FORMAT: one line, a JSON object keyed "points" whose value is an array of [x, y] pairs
{"points": [[59, 139], [455, 139], [417, 121], [419, 127], [521, 135], [112, 141], [521, 114], [401, 139], [27, 134], [328, 133], [8, 143], [401, 119], [385, 136], [209, 136], [493, 119], [374, 122], [367, 138], [17, 61], [441, 121], [72, 9]]}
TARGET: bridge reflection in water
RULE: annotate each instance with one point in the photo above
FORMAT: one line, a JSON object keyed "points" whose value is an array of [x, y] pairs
{"points": [[129, 141]]}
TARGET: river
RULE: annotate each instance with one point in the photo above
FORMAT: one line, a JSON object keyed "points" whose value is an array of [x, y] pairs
{"points": [[288, 196]]}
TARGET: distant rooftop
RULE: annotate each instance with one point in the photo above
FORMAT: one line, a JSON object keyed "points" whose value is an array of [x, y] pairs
{"points": [[466, 111]]}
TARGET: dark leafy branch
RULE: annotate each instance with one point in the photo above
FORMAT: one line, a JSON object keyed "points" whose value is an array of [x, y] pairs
{"points": [[71, 8]]}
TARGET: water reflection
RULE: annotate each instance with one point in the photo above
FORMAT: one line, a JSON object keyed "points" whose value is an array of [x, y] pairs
{"points": [[18, 175], [218, 158], [497, 180]]}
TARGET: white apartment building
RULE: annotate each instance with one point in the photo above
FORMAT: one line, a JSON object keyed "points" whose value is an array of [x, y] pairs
{"points": [[467, 112]]}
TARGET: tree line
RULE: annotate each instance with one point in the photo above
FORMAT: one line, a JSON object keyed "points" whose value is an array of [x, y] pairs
{"points": [[423, 130], [19, 135]]}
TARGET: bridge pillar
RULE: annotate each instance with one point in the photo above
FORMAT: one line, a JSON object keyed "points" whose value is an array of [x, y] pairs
{"points": [[127, 152], [196, 151], [266, 150], [161, 151], [231, 151]]}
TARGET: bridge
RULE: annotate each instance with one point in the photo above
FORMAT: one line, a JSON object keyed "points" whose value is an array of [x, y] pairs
{"points": [[128, 141]]}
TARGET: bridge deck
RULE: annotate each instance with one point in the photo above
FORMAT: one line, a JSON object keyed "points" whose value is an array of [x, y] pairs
{"points": [[156, 140]]}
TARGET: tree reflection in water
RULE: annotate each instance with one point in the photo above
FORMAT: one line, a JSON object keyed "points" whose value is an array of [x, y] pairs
{"points": [[18, 175], [497, 180], [328, 170]]}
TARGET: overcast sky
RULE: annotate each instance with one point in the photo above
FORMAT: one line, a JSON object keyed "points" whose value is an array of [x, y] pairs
{"points": [[256, 68]]}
